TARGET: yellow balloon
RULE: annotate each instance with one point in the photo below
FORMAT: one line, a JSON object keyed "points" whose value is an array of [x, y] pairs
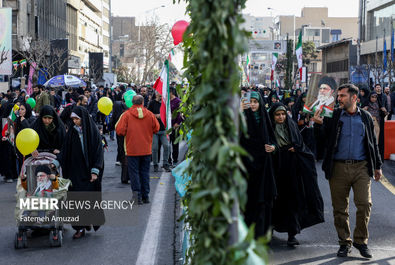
{"points": [[104, 105], [27, 141]]}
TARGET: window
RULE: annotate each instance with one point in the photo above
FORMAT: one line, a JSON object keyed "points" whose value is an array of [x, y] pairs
{"points": [[72, 27], [338, 66], [106, 40], [335, 34], [106, 26], [313, 32], [380, 20], [325, 35]]}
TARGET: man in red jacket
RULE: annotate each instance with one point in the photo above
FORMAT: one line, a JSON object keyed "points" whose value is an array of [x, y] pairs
{"points": [[138, 125]]}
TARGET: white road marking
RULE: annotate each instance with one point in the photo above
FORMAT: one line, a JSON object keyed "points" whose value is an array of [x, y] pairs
{"points": [[149, 245], [384, 248]]}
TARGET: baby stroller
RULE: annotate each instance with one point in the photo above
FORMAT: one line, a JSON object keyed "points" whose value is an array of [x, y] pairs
{"points": [[43, 218]]}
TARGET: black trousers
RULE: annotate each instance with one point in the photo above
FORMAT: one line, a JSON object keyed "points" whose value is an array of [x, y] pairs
{"points": [[173, 157], [120, 150]]}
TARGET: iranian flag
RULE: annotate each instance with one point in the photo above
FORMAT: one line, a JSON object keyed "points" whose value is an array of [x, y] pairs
{"points": [[12, 115], [274, 62], [299, 54], [162, 86]]}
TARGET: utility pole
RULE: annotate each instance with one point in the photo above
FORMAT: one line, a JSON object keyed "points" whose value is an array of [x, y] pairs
{"points": [[391, 65], [110, 59], [359, 34], [384, 52], [375, 61]]}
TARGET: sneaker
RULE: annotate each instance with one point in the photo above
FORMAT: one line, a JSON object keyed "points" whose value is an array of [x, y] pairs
{"points": [[343, 251], [363, 250], [139, 201], [78, 234], [167, 168], [156, 168], [9, 181], [146, 200], [117, 163], [135, 197], [292, 241]]}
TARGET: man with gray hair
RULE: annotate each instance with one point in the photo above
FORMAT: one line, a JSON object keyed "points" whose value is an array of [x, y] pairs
{"points": [[138, 125]]}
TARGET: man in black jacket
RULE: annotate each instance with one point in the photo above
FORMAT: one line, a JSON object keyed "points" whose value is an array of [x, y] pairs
{"points": [[160, 137], [92, 103], [352, 158], [119, 108]]}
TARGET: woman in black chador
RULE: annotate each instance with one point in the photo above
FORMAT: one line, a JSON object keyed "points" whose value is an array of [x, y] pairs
{"points": [[24, 120], [299, 202], [50, 129], [82, 162], [258, 143]]}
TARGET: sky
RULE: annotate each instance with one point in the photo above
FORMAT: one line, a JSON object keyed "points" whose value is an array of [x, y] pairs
{"points": [[167, 12], [143, 9]]}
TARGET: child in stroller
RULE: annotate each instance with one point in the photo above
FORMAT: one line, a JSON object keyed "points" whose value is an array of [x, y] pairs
{"points": [[37, 182], [46, 182]]}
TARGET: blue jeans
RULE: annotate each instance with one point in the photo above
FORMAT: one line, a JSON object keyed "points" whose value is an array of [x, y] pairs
{"points": [[160, 136], [138, 169]]}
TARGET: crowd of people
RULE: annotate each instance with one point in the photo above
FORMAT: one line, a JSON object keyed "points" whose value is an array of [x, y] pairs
{"points": [[70, 126], [284, 143]]}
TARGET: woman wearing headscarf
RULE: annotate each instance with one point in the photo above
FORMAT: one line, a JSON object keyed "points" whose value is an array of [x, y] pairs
{"points": [[82, 161], [23, 121], [25, 118], [363, 96], [374, 107], [258, 142], [50, 129], [299, 203]]}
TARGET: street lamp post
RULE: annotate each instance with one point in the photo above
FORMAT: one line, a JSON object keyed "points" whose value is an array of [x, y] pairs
{"points": [[147, 11], [139, 38]]}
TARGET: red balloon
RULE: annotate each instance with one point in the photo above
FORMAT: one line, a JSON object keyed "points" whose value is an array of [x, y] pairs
{"points": [[178, 29]]}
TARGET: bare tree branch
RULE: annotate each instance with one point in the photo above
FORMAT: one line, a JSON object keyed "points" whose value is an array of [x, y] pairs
{"points": [[45, 57], [4, 55]]}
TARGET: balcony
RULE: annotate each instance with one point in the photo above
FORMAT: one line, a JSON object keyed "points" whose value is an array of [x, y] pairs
{"points": [[14, 4], [95, 5]]}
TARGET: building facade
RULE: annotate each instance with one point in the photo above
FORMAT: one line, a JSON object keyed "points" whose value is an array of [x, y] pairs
{"points": [[316, 26], [37, 19], [261, 28], [88, 30], [338, 60], [376, 18]]}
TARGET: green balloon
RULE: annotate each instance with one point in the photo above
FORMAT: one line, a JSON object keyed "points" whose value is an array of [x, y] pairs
{"points": [[31, 102], [128, 96]]}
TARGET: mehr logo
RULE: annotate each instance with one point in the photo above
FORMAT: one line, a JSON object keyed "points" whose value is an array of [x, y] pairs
{"points": [[38, 203]]}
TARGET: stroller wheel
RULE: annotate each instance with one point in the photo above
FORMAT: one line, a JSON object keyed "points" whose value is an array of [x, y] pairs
{"points": [[20, 240], [56, 238]]}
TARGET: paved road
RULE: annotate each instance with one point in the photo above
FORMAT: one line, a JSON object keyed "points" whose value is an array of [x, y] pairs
{"points": [[143, 235], [319, 243]]}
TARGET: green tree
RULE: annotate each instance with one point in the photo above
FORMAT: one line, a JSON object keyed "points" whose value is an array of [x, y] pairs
{"points": [[309, 51], [213, 42]]}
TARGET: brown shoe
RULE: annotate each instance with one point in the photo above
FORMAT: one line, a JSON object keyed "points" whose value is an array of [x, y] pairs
{"points": [[79, 234]]}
